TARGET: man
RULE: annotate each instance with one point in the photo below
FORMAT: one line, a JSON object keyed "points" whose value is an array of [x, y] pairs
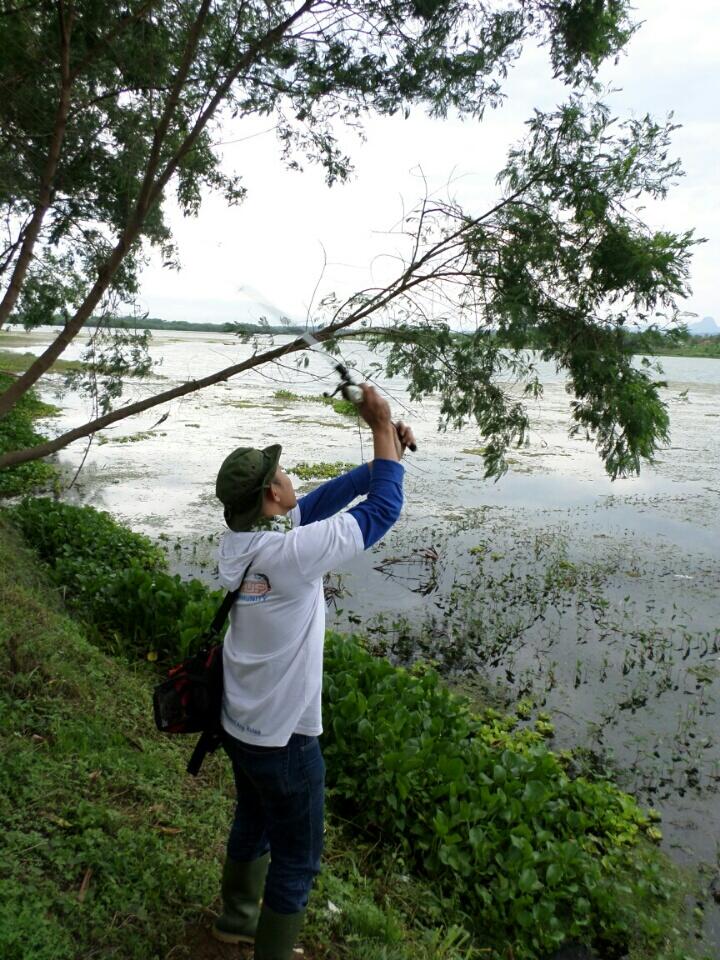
{"points": [[277, 551]]}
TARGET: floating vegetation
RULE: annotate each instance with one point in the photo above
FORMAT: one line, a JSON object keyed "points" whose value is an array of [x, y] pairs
{"points": [[418, 569], [325, 424], [627, 670], [240, 404], [339, 405], [136, 437], [320, 471]]}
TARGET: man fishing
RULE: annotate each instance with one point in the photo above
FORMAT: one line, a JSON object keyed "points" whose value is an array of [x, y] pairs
{"points": [[277, 551]]}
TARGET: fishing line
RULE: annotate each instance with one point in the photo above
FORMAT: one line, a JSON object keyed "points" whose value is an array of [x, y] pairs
{"points": [[349, 389]]}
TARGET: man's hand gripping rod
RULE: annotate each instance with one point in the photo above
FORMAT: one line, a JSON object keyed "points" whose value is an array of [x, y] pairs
{"points": [[348, 386]]}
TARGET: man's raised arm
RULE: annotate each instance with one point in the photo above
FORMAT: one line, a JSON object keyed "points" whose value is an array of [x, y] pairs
{"points": [[325, 501], [389, 442]]}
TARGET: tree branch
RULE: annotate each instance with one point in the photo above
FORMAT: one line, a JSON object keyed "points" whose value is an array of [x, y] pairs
{"points": [[105, 41], [409, 279], [271, 37], [44, 449], [419, 271], [143, 201], [6, 257]]}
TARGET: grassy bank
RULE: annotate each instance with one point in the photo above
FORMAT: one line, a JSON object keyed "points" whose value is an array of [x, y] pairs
{"points": [[109, 848], [653, 342], [693, 347], [13, 362], [155, 323], [107, 845]]}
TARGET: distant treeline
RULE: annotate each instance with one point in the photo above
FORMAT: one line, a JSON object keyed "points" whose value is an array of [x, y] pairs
{"points": [[686, 346], [678, 343], [155, 323]]}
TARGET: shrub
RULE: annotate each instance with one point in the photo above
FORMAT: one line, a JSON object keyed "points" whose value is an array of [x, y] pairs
{"points": [[16, 433], [116, 580], [151, 614], [534, 856], [81, 542]]}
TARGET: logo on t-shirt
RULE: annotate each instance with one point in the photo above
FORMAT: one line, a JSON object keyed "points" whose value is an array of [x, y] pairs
{"points": [[255, 588]]}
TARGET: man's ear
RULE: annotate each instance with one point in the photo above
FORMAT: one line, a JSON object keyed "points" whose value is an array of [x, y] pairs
{"points": [[272, 492]]}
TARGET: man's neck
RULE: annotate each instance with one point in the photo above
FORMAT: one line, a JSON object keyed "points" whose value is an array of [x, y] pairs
{"points": [[273, 523]]}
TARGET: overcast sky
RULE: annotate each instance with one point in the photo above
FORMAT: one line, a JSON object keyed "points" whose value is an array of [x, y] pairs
{"points": [[270, 249]]}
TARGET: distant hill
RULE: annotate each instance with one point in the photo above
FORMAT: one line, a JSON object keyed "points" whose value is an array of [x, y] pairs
{"points": [[704, 328]]}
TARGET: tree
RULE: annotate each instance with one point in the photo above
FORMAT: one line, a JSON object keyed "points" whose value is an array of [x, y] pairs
{"points": [[107, 106]]}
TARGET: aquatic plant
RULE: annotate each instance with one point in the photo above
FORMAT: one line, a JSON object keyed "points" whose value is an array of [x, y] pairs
{"points": [[339, 405], [531, 855], [320, 471]]}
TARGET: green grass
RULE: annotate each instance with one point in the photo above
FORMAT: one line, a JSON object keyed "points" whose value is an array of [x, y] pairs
{"points": [[11, 362], [88, 790]]}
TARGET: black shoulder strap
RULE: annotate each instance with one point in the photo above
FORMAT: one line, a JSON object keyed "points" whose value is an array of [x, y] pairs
{"points": [[222, 614], [209, 741]]}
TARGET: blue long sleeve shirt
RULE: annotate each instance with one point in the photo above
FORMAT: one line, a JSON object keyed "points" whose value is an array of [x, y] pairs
{"points": [[382, 482]]}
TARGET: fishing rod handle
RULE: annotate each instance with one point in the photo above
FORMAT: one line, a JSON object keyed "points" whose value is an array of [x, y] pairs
{"points": [[412, 447]]}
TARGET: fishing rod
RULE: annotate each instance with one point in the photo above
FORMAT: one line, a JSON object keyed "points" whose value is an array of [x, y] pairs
{"points": [[348, 386]]}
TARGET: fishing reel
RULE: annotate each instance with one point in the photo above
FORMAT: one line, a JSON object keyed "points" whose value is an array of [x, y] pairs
{"points": [[348, 386], [352, 391]]}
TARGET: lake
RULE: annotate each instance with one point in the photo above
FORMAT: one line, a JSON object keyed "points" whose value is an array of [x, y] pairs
{"points": [[598, 600]]}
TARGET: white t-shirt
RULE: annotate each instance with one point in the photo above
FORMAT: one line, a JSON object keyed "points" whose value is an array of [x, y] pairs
{"points": [[273, 649]]}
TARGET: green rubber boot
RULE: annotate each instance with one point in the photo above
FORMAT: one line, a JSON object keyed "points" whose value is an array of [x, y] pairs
{"points": [[242, 889], [276, 934]]}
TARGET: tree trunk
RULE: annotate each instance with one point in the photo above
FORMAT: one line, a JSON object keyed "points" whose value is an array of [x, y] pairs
{"points": [[33, 230], [150, 194]]}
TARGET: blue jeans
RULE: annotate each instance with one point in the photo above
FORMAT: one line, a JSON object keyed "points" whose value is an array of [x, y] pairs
{"points": [[280, 800]]}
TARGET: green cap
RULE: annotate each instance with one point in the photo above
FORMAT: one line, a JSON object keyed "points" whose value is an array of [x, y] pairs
{"points": [[241, 482]]}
